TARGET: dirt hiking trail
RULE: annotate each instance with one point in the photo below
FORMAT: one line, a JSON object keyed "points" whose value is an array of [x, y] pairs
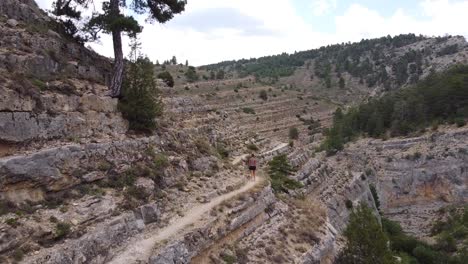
{"points": [[140, 248]]}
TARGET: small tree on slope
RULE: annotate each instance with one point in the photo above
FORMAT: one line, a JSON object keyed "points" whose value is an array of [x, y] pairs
{"points": [[141, 102], [366, 242]]}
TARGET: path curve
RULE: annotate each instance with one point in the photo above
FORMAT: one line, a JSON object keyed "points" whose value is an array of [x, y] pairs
{"points": [[141, 247]]}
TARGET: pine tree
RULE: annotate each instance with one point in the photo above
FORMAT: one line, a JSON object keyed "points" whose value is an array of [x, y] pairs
{"points": [[112, 21], [342, 83], [140, 103], [220, 75], [365, 240]]}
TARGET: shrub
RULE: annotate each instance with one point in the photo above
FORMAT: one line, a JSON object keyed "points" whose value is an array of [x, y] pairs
{"points": [[191, 74], [167, 78], [104, 165], [222, 151], [293, 133], [203, 146], [392, 228], [138, 193], [141, 102], [252, 147], [460, 121], [425, 255], [248, 110], [18, 254], [279, 169], [160, 161], [229, 259], [349, 204], [263, 95], [127, 178], [13, 222], [62, 229], [365, 240], [39, 84]]}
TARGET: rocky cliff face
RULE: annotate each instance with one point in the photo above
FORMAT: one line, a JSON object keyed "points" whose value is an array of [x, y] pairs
{"points": [[77, 187], [414, 177]]}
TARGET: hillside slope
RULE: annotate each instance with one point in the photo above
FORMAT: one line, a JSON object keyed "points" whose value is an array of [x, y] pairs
{"points": [[76, 186], [364, 68]]}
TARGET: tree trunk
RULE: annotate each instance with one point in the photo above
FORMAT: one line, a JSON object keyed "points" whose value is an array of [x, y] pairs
{"points": [[117, 75]]}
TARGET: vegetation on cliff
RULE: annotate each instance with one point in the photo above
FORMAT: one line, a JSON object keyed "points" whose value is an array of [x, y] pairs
{"points": [[279, 169], [439, 98], [141, 102], [345, 57], [369, 242], [451, 245], [365, 240]]}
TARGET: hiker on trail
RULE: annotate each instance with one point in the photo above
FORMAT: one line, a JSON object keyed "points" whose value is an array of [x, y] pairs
{"points": [[252, 162]]}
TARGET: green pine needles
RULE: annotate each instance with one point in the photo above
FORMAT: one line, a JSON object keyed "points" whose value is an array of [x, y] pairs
{"points": [[141, 103], [279, 169]]}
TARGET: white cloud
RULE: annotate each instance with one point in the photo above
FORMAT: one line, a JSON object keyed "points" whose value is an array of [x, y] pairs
{"points": [[322, 7], [282, 28], [439, 17]]}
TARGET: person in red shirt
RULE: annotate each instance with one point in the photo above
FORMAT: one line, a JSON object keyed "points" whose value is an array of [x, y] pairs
{"points": [[252, 163]]}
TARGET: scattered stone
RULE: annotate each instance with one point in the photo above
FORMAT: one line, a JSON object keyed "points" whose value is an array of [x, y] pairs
{"points": [[12, 22], [146, 184]]}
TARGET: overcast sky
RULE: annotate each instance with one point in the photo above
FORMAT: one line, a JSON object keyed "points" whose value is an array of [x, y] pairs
{"points": [[211, 31]]}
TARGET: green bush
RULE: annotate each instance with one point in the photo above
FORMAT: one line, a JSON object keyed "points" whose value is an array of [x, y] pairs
{"points": [[13, 222], [222, 150], [293, 133], [191, 74], [39, 84], [167, 78], [141, 102], [392, 228], [62, 229], [160, 161], [279, 169], [426, 255], [138, 193], [460, 122], [349, 204], [365, 240], [121, 180], [252, 147], [203, 146], [18, 254], [248, 110], [263, 95]]}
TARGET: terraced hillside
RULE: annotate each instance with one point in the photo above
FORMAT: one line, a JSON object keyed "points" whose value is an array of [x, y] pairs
{"points": [[76, 186], [350, 72]]}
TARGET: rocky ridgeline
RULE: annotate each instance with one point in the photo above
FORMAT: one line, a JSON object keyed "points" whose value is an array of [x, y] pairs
{"points": [[414, 177], [51, 88]]}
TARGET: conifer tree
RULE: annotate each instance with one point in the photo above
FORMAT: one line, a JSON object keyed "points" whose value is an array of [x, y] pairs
{"points": [[111, 21], [365, 240]]}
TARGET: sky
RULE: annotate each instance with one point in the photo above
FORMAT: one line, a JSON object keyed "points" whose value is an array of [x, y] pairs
{"points": [[211, 31]]}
